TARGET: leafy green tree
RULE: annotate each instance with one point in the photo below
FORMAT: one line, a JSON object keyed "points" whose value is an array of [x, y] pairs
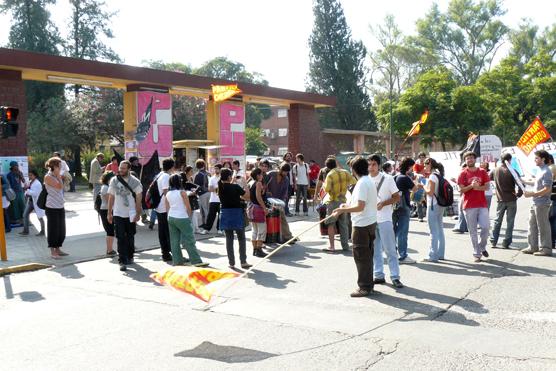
{"points": [[253, 142], [465, 38], [88, 24], [33, 30], [337, 67]]}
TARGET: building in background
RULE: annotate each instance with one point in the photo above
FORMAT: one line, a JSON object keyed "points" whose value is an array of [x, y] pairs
{"points": [[275, 131]]}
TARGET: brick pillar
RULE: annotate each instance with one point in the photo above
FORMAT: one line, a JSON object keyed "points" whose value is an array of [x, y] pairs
{"points": [[12, 93], [304, 133]]}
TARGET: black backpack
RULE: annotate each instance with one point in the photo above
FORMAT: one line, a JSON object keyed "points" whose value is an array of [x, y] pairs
{"points": [[153, 197], [445, 195]]}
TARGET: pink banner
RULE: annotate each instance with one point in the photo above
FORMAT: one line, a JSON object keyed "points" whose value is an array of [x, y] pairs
{"points": [[232, 132], [154, 125]]}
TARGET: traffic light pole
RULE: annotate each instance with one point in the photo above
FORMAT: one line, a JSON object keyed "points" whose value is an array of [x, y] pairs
{"points": [[3, 253]]}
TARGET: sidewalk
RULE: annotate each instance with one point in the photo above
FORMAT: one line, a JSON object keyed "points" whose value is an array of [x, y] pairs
{"points": [[85, 237]]}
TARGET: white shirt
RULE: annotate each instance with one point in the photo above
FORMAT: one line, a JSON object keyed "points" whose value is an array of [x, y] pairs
{"points": [[213, 183], [177, 206], [124, 204], [387, 189], [34, 191], [431, 200], [64, 167], [365, 190], [163, 182], [300, 172]]}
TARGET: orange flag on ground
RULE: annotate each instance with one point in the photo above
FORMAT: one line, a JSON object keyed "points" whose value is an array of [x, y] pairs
{"points": [[222, 92], [194, 281], [535, 134]]}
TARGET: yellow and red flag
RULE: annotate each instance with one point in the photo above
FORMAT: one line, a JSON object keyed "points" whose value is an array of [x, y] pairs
{"points": [[192, 281], [222, 92], [535, 134], [416, 126]]}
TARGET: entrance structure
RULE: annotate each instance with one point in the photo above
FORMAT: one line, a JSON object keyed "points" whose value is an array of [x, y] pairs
{"points": [[147, 103]]}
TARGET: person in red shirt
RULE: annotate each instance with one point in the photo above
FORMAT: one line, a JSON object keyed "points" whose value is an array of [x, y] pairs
{"points": [[473, 182], [419, 167], [313, 173]]}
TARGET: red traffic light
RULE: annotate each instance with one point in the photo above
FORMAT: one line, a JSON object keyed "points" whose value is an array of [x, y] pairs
{"points": [[8, 114]]}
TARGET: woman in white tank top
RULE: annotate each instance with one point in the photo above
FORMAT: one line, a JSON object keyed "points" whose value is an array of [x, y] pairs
{"points": [[179, 223]]}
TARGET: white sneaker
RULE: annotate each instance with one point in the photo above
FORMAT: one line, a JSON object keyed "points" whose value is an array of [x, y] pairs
{"points": [[219, 232], [407, 260], [203, 231]]}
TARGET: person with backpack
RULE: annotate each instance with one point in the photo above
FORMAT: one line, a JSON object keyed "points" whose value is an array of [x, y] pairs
{"points": [[124, 210], [202, 180], [101, 205], [385, 240], [32, 193], [158, 195], [435, 211], [473, 182], [301, 175]]}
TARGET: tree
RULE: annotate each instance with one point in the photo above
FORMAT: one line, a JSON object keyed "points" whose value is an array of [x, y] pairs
{"points": [[337, 68], [223, 68], [253, 142], [89, 22], [33, 30], [465, 38]]}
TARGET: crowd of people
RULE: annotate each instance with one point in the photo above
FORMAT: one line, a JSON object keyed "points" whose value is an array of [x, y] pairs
{"points": [[369, 202]]}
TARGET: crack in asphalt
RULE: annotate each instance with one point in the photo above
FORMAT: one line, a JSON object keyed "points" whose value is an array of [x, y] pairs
{"points": [[381, 355]]}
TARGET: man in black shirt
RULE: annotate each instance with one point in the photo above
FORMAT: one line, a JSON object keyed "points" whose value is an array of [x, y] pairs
{"points": [[401, 214], [202, 180]]}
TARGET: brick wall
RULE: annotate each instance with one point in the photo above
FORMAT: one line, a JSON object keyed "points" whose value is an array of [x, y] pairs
{"points": [[12, 93], [304, 133]]}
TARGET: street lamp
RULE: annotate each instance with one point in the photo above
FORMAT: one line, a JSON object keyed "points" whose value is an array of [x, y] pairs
{"points": [[391, 88]]}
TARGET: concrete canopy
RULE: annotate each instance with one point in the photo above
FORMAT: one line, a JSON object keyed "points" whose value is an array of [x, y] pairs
{"points": [[57, 69]]}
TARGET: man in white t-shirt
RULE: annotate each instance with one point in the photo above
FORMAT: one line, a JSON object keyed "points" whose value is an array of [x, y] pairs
{"points": [[163, 183], [125, 211], [387, 195], [363, 209], [214, 202], [301, 183]]}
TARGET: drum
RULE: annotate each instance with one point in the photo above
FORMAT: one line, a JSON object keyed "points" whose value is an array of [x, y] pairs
{"points": [[276, 203], [323, 227]]}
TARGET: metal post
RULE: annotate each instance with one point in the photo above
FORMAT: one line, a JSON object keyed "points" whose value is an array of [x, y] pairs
{"points": [[3, 253], [391, 142]]}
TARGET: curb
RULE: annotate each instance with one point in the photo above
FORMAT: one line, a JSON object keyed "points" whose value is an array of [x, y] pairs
{"points": [[23, 268]]}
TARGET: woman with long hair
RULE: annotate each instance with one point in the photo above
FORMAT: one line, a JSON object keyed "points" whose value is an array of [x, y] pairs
{"points": [[179, 223], [55, 212], [435, 212], [103, 212], [231, 217], [258, 213]]}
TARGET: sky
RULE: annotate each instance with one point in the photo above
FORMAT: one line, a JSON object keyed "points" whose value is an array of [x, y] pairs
{"points": [[267, 36]]}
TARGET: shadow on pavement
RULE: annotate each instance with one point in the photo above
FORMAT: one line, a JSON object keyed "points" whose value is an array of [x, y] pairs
{"points": [[468, 304], [269, 279], [28, 296], [292, 255], [490, 268], [140, 274], [69, 271], [428, 312]]}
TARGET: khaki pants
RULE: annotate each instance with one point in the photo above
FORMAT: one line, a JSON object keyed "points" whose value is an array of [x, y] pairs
{"points": [[539, 228]]}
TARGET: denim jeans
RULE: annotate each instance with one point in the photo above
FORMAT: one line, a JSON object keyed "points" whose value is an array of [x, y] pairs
{"points": [[385, 240], [27, 215], [438, 241], [510, 208], [230, 245], [478, 218], [461, 224], [552, 219], [400, 220], [301, 192]]}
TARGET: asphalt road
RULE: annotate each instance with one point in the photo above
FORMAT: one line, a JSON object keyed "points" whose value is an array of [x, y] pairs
{"points": [[292, 313]]}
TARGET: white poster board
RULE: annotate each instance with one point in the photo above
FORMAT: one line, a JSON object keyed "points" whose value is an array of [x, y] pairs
{"points": [[23, 162]]}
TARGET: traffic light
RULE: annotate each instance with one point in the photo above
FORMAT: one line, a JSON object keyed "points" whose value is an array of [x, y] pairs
{"points": [[8, 124]]}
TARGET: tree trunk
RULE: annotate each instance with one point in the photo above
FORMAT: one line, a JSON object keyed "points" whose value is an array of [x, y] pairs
{"points": [[77, 162]]}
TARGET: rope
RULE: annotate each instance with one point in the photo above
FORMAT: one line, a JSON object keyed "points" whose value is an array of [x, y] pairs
{"points": [[263, 260]]}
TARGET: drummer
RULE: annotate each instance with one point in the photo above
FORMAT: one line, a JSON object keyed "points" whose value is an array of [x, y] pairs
{"points": [[278, 188]]}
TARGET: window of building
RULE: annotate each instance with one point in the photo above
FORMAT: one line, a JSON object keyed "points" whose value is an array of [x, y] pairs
{"points": [[283, 132], [282, 151], [282, 112]]}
